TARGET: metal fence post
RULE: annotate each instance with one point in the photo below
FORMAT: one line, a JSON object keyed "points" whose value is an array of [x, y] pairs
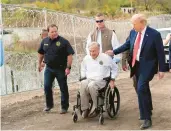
{"points": [[45, 17], [12, 81], [1, 38], [17, 88], [75, 44]]}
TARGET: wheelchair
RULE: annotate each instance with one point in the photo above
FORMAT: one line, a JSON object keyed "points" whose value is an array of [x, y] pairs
{"points": [[108, 100]]}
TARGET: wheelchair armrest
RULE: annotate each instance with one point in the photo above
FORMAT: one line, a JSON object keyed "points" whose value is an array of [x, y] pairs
{"points": [[107, 79], [82, 78], [101, 90]]}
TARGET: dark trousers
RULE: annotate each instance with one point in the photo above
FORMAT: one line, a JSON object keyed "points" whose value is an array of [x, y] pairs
{"points": [[144, 95], [49, 76], [134, 82], [135, 86]]}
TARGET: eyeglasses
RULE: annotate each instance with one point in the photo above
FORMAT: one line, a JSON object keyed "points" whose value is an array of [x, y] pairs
{"points": [[99, 21]]}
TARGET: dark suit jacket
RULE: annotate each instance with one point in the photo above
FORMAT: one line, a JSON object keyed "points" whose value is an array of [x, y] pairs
{"points": [[152, 57], [126, 57]]}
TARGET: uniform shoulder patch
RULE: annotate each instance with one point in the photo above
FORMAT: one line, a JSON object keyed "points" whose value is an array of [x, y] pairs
{"points": [[58, 43]]}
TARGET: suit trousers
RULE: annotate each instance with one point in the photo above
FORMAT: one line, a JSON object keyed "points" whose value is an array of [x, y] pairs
{"points": [[89, 89], [144, 95], [134, 82]]}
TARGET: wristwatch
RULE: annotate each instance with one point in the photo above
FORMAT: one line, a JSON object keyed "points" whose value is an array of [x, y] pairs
{"points": [[69, 67]]}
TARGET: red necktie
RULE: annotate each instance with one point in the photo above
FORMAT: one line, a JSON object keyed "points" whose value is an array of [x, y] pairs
{"points": [[136, 47]]}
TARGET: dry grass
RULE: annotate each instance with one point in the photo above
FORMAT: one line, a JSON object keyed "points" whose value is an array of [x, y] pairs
{"points": [[28, 46], [25, 46]]}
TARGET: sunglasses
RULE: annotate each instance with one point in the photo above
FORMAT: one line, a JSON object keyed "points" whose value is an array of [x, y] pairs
{"points": [[99, 21]]}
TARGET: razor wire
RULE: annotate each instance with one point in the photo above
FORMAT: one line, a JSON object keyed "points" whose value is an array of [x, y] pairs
{"points": [[21, 68]]}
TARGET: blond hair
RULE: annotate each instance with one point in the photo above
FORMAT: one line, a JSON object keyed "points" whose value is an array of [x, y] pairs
{"points": [[139, 17]]}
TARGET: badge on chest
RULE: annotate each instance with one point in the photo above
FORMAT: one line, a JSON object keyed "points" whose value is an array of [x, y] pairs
{"points": [[58, 43], [101, 62]]}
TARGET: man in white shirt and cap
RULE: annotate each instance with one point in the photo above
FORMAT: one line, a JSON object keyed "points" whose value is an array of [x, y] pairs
{"points": [[94, 68]]}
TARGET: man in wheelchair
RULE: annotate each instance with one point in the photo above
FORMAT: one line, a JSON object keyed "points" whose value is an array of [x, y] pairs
{"points": [[94, 68]]}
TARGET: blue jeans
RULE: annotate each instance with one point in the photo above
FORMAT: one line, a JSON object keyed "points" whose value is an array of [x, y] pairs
{"points": [[49, 76]]}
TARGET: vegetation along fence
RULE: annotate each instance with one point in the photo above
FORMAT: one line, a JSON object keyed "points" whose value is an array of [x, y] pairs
{"points": [[23, 26]]}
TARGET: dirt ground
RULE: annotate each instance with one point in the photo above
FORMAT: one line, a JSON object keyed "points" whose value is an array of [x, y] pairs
{"points": [[23, 111]]}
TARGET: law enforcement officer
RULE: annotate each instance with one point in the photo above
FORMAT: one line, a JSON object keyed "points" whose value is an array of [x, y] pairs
{"points": [[126, 59], [57, 54], [104, 36], [44, 34]]}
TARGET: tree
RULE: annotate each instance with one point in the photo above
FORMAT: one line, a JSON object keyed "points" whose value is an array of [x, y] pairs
{"points": [[149, 4], [6, 1], [165, 5]]}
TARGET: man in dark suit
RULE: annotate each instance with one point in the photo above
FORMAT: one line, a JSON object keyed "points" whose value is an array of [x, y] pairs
{"points": [[147, 57]]}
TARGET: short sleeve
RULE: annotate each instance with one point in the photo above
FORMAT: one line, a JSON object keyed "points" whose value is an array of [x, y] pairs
{"points": [[70, 50], [40, 50]]}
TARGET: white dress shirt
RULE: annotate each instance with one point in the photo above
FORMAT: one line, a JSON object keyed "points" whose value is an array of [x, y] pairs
{"points": [[114, 41], [142, 37], [99, 68]]}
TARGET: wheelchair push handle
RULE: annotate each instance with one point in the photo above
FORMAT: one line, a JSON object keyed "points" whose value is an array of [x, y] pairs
{"points": [[81, 79], [107, 78]]}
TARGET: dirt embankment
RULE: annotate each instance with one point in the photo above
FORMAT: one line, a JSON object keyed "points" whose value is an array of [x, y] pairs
{"points": [[25, 110]]}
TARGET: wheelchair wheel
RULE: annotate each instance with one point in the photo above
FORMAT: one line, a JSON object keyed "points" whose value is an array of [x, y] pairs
{"points": [[101, 120], [79, 103], [74, 117], [112, 101]]}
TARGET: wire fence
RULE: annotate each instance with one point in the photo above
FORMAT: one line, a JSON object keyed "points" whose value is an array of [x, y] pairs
{"points": [[20, 70]]}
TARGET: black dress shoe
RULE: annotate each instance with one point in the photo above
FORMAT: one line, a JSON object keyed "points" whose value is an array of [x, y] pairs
{"points": [[146, 124], [47, 109]]}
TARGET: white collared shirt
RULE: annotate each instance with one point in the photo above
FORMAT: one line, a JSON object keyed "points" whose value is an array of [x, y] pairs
{"points": [[142, 37], [98, 68]]}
